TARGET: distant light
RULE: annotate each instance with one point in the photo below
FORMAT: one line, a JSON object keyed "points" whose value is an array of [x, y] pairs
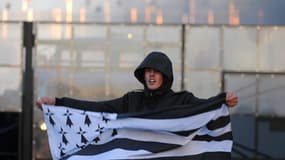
{"points": [[24, 5], [56, 13], [134, 15], [68, 5], [233, 14], [107, 11], [82, 13], [43, 126], [30, 15], [211, 18], [130, 35], [159, 17], [4, 25], [275, 28], [4, 14]]}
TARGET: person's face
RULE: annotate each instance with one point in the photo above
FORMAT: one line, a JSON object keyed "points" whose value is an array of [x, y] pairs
{"points": [[153, 78]]}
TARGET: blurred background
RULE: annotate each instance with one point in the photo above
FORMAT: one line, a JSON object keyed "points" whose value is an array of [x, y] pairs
{"points": [[89, 49]]}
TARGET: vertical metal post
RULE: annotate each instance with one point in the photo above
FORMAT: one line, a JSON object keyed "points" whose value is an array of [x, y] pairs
{"points": [[26, 129], [183, 41], [221, 47], [256, 122], [223, 76], [256, 126]]}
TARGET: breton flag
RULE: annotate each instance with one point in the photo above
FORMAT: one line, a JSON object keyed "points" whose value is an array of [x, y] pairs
{"points": [[178, 133]]}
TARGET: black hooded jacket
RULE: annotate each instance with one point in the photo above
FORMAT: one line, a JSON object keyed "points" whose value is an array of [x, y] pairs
{"points": [[145, 100]]}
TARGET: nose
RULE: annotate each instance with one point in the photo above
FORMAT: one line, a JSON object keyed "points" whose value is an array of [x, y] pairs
{"points": [[152, 72]]}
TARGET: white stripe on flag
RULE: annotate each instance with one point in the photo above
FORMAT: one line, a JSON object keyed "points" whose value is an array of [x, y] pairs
{"points": [[193, 122]]}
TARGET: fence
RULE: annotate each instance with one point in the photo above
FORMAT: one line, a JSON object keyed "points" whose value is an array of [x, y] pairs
{"points": [[96, 61]]}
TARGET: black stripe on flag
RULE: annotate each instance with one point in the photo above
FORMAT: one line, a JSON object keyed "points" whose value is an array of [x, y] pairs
{"points": [[218, 123], [208, 138], [178, 111], [185, 133], [127, 144]]}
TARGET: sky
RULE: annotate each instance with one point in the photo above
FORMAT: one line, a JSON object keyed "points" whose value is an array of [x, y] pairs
{"points": [[235, 12]]}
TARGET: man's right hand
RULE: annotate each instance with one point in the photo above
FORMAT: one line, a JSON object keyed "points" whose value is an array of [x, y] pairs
{"points": [[44, 100]]}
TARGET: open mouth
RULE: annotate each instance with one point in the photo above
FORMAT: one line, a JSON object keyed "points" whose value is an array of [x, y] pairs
{"points": [[151, 81]]}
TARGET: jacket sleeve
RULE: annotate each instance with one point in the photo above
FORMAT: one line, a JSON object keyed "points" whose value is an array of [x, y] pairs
{"points": [[118, 105], [215, 100]]}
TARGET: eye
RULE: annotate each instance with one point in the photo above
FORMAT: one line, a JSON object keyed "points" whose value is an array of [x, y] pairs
{"points": [[147, 70]]}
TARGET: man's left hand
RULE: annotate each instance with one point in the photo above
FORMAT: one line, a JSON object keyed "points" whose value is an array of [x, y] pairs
{"points": [[231, 99]]}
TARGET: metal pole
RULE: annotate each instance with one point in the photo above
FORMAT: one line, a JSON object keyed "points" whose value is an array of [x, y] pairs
{"points": [[27, 94], [183, 41], [256, 127]]}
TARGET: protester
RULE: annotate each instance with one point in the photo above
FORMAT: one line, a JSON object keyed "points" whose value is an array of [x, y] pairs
{"points": [[156, 74]]}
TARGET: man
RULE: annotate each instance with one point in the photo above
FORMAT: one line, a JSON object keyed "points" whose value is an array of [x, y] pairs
{"points": [[155, 73]]}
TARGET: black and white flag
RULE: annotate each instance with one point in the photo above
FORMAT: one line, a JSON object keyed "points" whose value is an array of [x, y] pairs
{"points": [[177, 133]]}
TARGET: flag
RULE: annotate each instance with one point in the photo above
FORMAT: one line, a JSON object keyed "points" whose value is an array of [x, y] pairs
{"points": [[192, 133]]}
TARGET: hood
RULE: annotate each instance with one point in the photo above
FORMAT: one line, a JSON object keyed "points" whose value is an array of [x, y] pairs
{"points": [[159, 61]]}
